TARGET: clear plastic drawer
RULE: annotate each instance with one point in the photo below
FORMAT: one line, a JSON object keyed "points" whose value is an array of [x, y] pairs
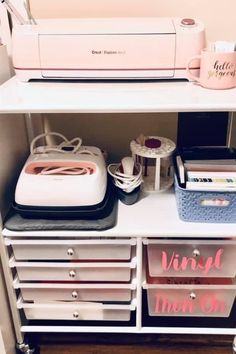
{"points": [[44, 292], [73, 311], [190, 297], [86, 249], [74, 271], [191, 258]]}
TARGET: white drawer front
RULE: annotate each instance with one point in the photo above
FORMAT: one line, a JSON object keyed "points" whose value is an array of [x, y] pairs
{"points": [[74, 274], [77, 294], [191, 258], [60, 311], [74, 271], [72, 250]]}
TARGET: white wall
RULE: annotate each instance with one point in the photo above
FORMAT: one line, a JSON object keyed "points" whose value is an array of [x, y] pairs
{"points": [[113, 132], [218, 16]]}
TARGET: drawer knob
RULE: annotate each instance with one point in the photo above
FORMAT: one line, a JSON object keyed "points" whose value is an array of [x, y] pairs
{"points": [[76, 315], [74, 294], [70, 252], [192, 295], [196, 253], [72, 273]]}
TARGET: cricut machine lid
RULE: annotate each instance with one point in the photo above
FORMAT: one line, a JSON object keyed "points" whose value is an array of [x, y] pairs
{"points": [[104, 45], [88, 26]]}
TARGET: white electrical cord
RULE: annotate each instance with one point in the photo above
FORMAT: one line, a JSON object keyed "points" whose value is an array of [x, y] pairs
{"points": [[74, 144], [65, 171], [123, 181]]}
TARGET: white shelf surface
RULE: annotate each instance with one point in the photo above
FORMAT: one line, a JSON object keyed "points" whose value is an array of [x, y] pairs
{"points": [[155, 215], [127, 329], [120, 97]]}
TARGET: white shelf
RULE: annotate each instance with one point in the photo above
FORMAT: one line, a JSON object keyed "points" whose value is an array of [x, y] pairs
{"points": [[97, 97], [127, 329], [153, 216]]}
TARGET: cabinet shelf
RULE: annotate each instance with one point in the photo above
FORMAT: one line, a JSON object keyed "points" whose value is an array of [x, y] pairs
{"points": [[129, 329], [155, 215], [110, 97]]}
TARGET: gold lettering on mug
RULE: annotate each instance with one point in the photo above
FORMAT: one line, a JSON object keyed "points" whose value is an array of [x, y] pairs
{"points": [[221, 70]]}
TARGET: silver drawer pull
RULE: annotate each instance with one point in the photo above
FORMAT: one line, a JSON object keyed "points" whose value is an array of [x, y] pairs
{"points": [[196, 253], [192, 295], [72, 273], [76, 315], [70, 252], [74, 294]]}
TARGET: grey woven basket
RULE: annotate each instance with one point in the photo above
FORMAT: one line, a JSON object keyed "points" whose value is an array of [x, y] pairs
{"points": [[191, 208]]}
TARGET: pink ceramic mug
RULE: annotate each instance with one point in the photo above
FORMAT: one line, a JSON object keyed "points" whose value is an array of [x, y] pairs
{"points": [[217, 70]]}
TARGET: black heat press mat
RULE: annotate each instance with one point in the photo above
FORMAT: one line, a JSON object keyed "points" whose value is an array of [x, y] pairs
{"points": [[96, 211], [15, 222], [99, 217]]}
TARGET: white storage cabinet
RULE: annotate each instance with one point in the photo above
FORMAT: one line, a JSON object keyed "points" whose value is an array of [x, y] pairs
{"points": [[149, 266]]}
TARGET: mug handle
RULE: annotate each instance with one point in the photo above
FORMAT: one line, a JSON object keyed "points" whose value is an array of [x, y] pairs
{"points": [[190, 75]]}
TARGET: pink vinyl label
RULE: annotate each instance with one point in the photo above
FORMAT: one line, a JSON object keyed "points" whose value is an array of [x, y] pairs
{"points": [[179, 263], [205, 304]]}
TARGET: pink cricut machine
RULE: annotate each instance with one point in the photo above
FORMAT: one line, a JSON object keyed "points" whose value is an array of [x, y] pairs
{"points": [[106, 48], [66, 180]]}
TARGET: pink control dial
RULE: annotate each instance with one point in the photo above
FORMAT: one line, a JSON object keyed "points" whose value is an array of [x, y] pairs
{"points": [[188, 22]]}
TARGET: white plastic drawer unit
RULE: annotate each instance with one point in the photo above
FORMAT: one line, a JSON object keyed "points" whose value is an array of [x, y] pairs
{"points": [[86, 249], [191, 258], [76, 311], [74, 271], [43, 292], [207, 298]]}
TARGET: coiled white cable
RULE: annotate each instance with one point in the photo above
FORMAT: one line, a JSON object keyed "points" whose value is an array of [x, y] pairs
{"points": [[75, 144], [123, 181], [65, 171]]}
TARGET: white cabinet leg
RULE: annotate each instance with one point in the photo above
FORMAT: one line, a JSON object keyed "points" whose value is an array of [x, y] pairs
{"points": [[24, 348], [234, 345], [11, 293]]}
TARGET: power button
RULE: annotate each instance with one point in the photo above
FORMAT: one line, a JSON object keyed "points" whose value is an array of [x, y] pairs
{"points": [[188, 22]]}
